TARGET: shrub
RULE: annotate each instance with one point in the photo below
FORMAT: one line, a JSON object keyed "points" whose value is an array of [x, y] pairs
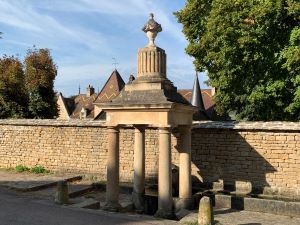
{"points": [[21, 168]]}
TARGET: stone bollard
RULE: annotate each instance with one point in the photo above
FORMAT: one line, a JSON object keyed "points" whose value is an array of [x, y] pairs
{"points": [[62, 195], [205, 215]]}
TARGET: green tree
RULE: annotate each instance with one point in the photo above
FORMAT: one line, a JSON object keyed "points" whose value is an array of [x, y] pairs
{"points": [[40, 73], [244, 45], [13, 95]]}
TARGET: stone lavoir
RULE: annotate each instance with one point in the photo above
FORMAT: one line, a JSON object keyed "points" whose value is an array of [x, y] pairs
{"points": [[149, 127], [151, 100], [246, 155]]}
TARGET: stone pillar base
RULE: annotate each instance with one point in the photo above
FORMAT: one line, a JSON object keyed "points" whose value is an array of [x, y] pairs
{"points": [[165, 215], [184, 203], [138, 200], [112, 207]]}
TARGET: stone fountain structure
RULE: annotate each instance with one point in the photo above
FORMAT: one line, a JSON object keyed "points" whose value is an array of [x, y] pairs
{"points": [[151, 100]]}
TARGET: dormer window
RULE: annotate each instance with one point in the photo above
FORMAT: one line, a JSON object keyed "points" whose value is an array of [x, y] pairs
{"points": [[83, 113]]}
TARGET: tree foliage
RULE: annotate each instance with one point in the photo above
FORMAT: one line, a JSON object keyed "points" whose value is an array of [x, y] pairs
{"points": [[250, 49], [13, 95], [40, 73]]}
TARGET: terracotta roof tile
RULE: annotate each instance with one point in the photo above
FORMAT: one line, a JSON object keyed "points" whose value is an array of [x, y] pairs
{"points": [[206, 96], [112, 88], [83, 101]]}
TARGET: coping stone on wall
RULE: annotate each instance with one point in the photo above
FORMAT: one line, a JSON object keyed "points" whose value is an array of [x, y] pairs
{"points": [[52, 122], [230, 125], [235, 125]]}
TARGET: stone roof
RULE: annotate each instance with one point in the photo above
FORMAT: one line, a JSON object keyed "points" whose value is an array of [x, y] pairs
{"points": [[112, 88], [74, 104]]}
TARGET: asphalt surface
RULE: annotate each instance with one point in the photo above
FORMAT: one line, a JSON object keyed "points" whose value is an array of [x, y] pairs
{"points": [[20, 209]]}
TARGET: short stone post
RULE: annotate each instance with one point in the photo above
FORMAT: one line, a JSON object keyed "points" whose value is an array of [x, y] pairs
{"points": [[62, 195], [205, 215]]}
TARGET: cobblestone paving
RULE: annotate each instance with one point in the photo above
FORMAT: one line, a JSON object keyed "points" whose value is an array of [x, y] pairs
{"points": [[222, 216], [230, 217], [233, 217]]}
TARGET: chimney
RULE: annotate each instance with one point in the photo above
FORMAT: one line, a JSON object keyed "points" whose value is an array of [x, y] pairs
{"points": [[83, 113], [213, 91], [90, 91]]}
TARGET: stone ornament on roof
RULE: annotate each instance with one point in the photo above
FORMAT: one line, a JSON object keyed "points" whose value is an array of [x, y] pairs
{"points": [[152, 28]]}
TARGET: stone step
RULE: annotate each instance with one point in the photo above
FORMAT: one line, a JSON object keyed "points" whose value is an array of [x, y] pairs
{"points": [[79, 189], [258, 205], [125, 188], [127, 206], [43, 183], [88, 203]]}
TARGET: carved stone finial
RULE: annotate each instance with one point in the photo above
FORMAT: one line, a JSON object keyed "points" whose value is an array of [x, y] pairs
{"points": [[152, 28]]}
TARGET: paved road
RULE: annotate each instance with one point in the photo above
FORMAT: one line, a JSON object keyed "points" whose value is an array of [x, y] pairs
{"points": [[17, 209]]}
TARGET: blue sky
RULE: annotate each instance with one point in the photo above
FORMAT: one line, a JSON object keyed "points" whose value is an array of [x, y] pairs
{"points": [[84, 36]]}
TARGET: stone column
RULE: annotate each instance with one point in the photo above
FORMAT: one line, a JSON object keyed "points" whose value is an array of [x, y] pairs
{"points": [[139, 169], [185, 178], [112, 186], [165, 201]]}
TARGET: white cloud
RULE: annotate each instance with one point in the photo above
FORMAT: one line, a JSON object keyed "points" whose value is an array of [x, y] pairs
{"points": [[23, 16], [128, 8], [83, 48]]}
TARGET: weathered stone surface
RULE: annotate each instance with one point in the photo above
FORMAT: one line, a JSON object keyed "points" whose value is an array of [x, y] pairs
{"points": [[237, 217], [62, 195], [205, 215], [266, 161], [248, 125], [258, 205], [88, 204]]}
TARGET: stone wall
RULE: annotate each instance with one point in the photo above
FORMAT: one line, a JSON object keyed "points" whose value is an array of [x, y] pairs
{"points": [[245, 156], [258, 157]]}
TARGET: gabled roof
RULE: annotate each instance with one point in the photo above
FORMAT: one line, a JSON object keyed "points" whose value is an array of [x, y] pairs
{"points": [[64, 111], [111, 89]]}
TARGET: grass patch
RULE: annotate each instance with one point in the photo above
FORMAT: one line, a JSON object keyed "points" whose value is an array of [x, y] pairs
{"points": [[38, 169], [22, 168]]}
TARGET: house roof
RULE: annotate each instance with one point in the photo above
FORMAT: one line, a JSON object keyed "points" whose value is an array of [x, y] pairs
{"points": [[111, 89], [83, 101], [207, 97]]}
